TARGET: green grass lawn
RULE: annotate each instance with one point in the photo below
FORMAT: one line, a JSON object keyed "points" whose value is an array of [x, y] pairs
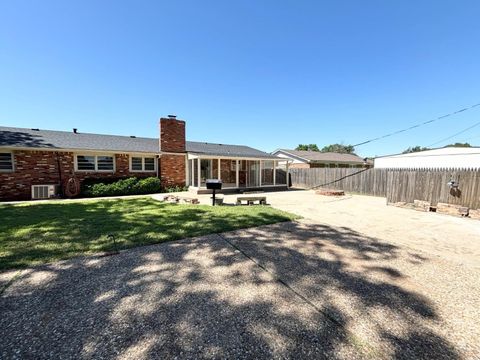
{"points": [[43, 232]]}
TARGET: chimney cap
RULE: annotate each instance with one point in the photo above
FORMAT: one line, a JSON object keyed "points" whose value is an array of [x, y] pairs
{"points": [[75, 130], [172, 116]]}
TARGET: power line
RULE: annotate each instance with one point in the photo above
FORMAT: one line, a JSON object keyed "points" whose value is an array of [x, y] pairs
{"points": [[452, 136], [417, 125]]}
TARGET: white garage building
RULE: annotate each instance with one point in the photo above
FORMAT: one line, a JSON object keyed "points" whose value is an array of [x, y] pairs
{"points": [[444, 158]]}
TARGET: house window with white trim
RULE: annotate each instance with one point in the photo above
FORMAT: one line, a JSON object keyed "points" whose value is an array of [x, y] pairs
{"points": [[142, 163], [95, 163], [6, 162]]}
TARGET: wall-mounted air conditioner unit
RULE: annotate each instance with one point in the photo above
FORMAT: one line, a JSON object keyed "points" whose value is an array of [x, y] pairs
{"points": [[44, 191]]}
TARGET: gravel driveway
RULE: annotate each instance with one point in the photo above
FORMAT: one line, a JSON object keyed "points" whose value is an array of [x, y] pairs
{"points": [[196, 298], [306, 289]]}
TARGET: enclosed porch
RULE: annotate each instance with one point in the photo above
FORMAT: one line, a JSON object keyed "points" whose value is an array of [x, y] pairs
{"points": [[237, 173]]}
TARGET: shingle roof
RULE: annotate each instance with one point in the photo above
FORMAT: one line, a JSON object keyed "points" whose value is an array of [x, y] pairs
{"points": [[316, 156], [226, 150], [19, 137], [49, 139]]}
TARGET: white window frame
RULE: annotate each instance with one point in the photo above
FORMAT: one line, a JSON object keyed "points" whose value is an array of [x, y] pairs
{"points": [[12, 160], [96, 156], [155, 161]]}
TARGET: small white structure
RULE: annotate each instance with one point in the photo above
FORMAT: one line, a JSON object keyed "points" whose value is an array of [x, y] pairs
{"points": [[459, 158]]}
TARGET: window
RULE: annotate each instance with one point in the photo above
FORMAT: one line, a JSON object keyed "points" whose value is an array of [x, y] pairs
{"points": [[141, 163], [85, 163], [6, 162], [137, 164], [95, 163], [105, 163], [149, 164]]}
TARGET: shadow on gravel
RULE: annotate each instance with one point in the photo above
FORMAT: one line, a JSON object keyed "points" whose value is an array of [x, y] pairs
{"points": [[203, 299], [341, 266]]}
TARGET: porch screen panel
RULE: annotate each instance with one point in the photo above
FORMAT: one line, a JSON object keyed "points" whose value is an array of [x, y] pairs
{"points": [[242, 173], [253, 173], [267, 172], [214, 174], [195, 172], [281, 173], [190, 173], [228, 173], [205, 171]]}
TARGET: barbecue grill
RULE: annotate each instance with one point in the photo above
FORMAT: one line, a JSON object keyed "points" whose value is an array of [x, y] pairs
{"points": [[214, 185]]}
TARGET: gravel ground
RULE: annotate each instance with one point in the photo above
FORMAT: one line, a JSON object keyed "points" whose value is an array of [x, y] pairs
{"points": [[402, 304], [197, 298], [454, 239], [316, 288]]}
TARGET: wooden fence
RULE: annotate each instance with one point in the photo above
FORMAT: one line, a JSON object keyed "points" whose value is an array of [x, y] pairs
{"points": [[396, 185]]}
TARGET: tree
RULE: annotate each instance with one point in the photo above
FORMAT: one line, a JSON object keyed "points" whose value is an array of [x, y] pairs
{"points": [[339, 148], [459, 145], [413, 149], [309, 147], [417, 148]]}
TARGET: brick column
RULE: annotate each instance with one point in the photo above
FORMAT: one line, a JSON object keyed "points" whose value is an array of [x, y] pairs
{"points": [[172, 149]]}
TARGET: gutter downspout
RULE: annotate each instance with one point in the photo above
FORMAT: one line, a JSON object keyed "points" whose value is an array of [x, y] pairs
{"points": [[60, 180]]}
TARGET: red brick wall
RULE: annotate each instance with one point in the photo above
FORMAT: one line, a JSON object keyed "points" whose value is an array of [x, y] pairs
{"points": [[41, 167], [172, 170], [33, 168], [172, 135]]}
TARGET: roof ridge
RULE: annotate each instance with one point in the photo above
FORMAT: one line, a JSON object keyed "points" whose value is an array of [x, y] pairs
{"points": [[71, 132], [213, 143]]}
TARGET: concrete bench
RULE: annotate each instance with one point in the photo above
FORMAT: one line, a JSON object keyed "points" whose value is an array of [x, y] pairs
{"points": [[262, 200]]}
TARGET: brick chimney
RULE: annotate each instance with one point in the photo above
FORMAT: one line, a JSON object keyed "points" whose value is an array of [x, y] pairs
{"points": [[172, 146], [172, 135]]}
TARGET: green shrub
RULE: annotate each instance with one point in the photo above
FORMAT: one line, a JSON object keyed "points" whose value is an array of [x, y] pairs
{"points": [[148, 185], [129, 186], [173, 189]]}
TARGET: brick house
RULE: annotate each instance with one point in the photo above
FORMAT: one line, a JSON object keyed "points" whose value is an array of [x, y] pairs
{"points": [[31, 157], [302, 159]]}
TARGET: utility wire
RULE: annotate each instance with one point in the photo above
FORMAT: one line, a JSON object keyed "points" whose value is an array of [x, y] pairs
{"points": [[417, 125], [452, 136]]}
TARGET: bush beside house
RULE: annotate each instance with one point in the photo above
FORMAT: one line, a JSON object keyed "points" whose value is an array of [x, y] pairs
{"points": [[128, 186]]}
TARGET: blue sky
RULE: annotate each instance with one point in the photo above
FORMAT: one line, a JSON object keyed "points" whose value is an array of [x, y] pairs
{"points": [[267, 74]]}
